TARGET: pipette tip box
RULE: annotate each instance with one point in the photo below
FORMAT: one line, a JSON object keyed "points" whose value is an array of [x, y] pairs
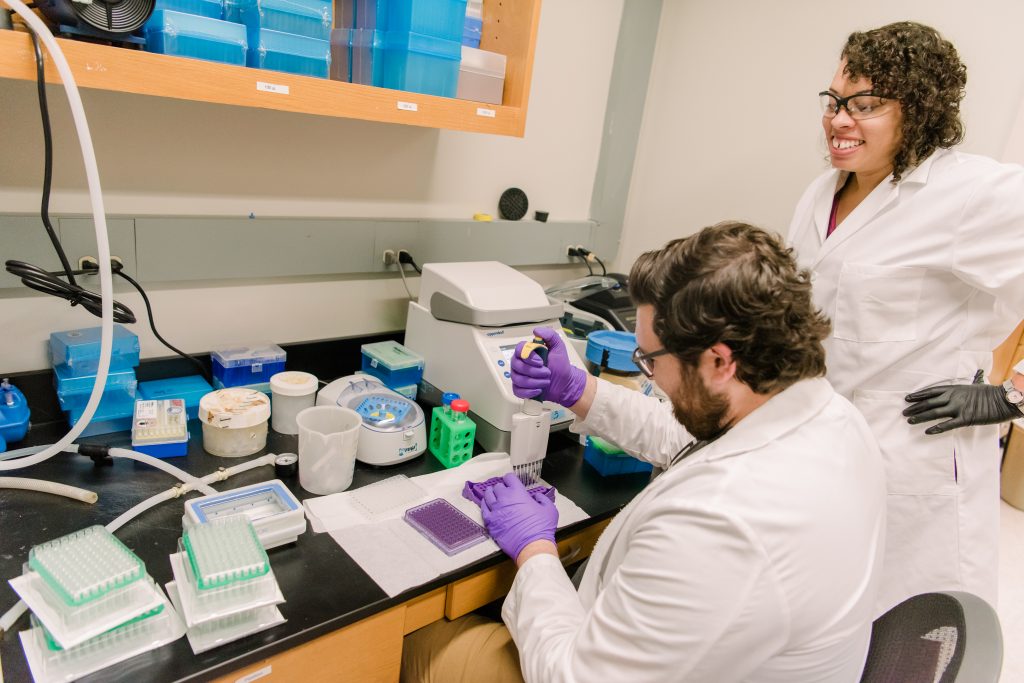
{"points": [[79, 350], [160, 428]]}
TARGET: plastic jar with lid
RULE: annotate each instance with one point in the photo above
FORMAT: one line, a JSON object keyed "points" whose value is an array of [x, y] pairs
{"points": [[234, 421], [610, 357], [291, 392]]}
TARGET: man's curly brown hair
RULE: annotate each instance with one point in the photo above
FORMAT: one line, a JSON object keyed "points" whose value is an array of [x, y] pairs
{"points": [[914, 64], [736, 284]]}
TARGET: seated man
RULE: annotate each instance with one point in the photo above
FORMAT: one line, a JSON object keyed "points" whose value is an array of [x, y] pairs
{"points": [[755, 555]]}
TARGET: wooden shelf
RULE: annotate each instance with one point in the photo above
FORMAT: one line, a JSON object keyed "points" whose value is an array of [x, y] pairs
{"points": [[510, 27]]}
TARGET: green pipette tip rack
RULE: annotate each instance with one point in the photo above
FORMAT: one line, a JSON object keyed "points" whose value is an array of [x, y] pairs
{"points": [[85, 565]]}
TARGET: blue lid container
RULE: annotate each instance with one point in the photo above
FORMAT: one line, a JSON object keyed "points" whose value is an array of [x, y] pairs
{"points": [[602, 457], [114, 406], [368, 57], [237, 366], [392, 363], [436, 18], [187, 35], [191, 388], [294, 54], [213, 9], [310, 18], [79, 350], [619, 346], [73, 392], [421, 63]]}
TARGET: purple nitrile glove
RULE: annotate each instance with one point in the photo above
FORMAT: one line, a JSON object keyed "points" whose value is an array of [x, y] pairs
{"points": [[514, 517], [559, 381]]}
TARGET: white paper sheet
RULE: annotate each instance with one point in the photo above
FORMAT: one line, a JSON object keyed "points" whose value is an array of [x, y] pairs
{"points": [[394, 554]]}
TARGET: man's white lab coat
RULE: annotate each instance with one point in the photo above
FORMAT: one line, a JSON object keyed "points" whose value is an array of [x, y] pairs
{"points": [[756, 558], [922, 281]]}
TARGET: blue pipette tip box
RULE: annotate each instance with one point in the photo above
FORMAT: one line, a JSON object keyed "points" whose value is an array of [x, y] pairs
{"points": [[444, 525]]}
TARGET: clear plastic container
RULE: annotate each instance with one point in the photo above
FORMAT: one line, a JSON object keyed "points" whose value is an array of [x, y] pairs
{"points": [[86, 564], [392, 363], [421, 63], [224, 552], [443, 19], [245, 364], [79, 350], [201, 606], [290, 53], [188, 35], [387, 495], [291, 393], [217, 632], [234, 421], [117, 645], [481, 76], [310, 18], [191, 389], [71, 625], [73, 392], [160, 428]]}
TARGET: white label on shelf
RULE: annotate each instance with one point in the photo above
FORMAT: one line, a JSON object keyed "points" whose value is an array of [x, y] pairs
{"points": [[484, 111], [272, 87], [255, 675], [408, 106]]}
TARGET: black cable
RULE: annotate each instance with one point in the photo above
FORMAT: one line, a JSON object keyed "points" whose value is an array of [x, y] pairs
{"points": [[585, 261], [44, 113], [406, 257], [152, 325], [604, 271]]}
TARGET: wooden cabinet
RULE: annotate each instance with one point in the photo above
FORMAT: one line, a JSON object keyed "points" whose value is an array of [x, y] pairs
{"points": [[510, 27]]}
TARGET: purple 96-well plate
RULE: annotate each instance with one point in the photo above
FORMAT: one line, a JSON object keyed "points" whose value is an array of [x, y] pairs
{"points": [[444, 525], [474, 491]]}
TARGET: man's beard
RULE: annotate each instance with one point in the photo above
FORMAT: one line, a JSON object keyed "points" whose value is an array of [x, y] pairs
{"points": [[700, 411]]}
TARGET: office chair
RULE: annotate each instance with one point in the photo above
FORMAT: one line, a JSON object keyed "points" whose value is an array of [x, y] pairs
{"points": [[943, 637]]}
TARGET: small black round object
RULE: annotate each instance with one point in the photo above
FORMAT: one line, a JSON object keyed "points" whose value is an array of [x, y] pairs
{"points": [[513, 204], [286, 466], [541, 216]]}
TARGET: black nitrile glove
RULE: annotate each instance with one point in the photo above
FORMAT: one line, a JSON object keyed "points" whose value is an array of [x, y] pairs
{"points": [[979, 403]]}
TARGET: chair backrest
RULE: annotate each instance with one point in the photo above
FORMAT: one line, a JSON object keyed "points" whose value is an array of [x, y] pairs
{"points": [[936, 638]]}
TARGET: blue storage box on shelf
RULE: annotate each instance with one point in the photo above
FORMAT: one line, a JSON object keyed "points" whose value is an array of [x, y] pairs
{"points": [[472, 28], [190, 389], [442, 19], [393, 364], [108, 418], [73, 392], [609, 459], [213, 9], [79, 350], [290, 53], [310, 18], [341, 54], [235, 366], [371, 14], [421, 63], [368, 57], [187, 35]]}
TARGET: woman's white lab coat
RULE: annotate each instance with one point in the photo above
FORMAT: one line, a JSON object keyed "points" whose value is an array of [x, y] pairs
{"points": [[755, 558], [922, 281]]}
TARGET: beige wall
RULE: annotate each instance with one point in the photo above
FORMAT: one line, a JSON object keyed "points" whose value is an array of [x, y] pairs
{"points": [[731, 126], [161, 156]]}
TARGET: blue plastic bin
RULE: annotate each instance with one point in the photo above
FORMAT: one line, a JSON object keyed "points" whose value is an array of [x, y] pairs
{"points": [[310, 18], [607, 463], [471, 32], [613, 346], [111, 416], [236, 366], [213, 9], [368, 57], [442, 19], [290, 53], [191, 388], [73, 392], [392, 363], [79, 350], [186, 35], [421, 63], [372, 14]]}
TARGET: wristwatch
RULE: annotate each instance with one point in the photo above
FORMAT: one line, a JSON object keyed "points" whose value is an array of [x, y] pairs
{"points": [[1014, 396]]}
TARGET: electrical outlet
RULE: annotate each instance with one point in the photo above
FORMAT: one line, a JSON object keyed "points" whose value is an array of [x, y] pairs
{"points": [[91, 260], [390, 258]]}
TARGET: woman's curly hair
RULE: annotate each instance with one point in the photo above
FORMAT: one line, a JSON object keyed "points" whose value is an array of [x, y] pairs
{"points": [[736, 284], [914, 64]]}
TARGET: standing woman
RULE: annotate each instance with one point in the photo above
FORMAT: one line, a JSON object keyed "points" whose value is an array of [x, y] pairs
{"points": [[917, 255]]}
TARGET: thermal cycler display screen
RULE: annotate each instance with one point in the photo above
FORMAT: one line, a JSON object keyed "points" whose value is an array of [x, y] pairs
{"points": [[507, 352]]}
